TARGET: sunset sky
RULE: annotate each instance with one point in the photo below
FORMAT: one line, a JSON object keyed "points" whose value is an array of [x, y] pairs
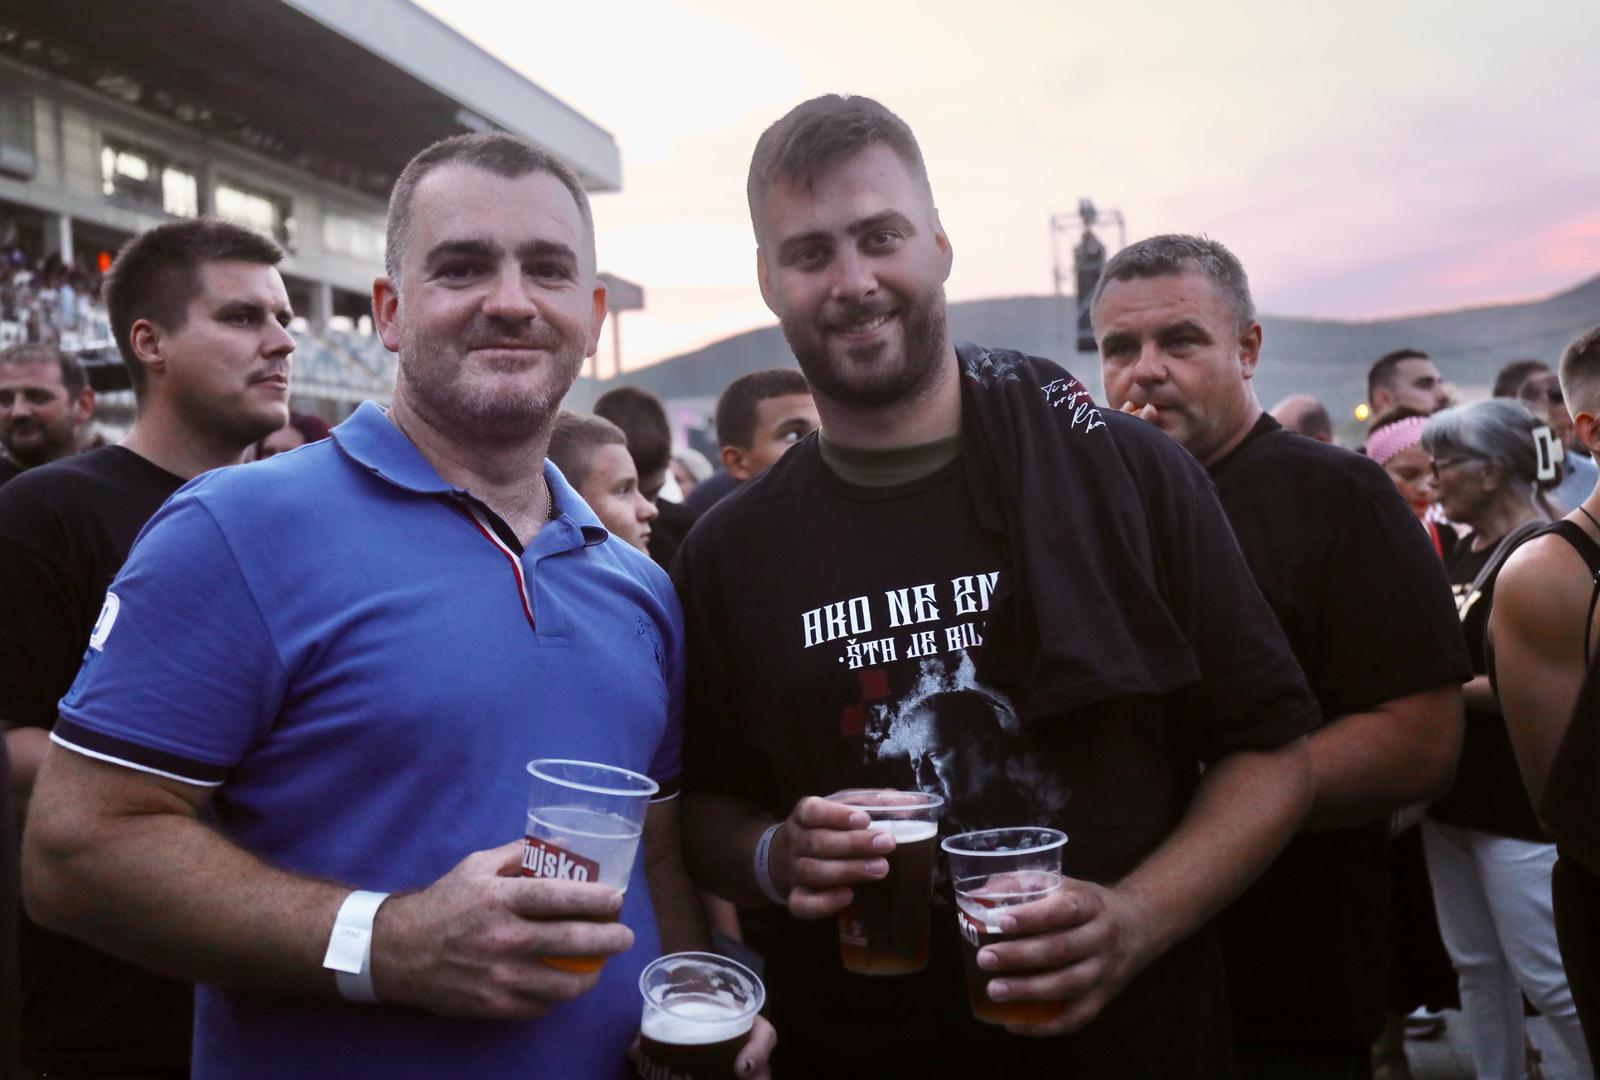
{"points": [[1362, 158]]}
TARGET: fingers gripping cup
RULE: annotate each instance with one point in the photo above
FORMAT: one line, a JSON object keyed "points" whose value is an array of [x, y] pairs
{"points": [[584, 823], [884, 931], [991, 871], [698, 1009]]}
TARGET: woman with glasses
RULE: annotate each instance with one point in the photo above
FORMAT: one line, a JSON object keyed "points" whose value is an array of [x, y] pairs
{"points": [[1488, 858]]}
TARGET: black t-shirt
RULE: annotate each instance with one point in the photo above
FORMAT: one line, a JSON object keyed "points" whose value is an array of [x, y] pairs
{"points": [[708, 492], [10, 907], [832, 633], [1363, 599], [65, 530], [9, 470], [667, 531], [1488, 794]]}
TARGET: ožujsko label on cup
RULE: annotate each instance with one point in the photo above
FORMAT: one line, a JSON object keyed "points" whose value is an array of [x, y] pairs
{"points": [[992, 870], [584, 823], [698, 1009], [884, 931]]}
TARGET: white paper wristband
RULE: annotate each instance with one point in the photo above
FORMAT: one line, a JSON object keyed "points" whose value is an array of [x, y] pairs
{"points": [[349, 954], [763, 867]]}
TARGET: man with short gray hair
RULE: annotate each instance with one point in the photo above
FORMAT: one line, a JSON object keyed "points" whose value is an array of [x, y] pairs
{"points": [[1356, 587], [305, 789]]}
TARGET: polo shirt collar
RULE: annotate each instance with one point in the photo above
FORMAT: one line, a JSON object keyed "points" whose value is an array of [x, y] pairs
{"points": [[371, 440]]}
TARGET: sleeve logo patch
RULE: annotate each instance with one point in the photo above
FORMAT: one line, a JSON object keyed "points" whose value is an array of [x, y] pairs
{"points": [[107, 619]]}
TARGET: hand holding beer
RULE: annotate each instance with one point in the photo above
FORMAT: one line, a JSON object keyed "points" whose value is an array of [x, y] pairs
{"points": [[824, 848], [470, 944], [584, 824], [701, 1020], [1070, 952]]}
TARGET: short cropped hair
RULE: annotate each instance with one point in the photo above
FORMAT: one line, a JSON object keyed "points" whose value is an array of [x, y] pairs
{"points": [[1580, 372], [736, 408], [643, 420], [1175, 253], [496, 152], [575, 439], [817, 135], [1384, 369], [73, 379], [1514, 374], [157, 274]]}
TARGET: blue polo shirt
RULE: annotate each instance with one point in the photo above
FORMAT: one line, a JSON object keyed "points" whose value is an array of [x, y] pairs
{"points": [[349, 650]]}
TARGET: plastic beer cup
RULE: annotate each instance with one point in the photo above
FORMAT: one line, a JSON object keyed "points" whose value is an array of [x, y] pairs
{"points": [[584, 823], [698, 1008], [884, 931], [992, 870]]}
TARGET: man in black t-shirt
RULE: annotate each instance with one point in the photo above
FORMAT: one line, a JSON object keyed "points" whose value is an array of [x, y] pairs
{"points": [[910, 599], [1363, 601], [45, 406], [199, 313]]}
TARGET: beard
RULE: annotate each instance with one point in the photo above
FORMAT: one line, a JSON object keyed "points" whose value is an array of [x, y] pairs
{"points": [[877, 375], [436, 385], [31, 442]]}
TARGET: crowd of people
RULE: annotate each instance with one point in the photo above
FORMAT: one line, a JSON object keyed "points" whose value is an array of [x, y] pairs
{"points": [[1318, 723], [50, 301]]}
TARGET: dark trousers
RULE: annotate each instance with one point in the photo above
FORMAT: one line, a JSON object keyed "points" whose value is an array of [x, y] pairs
{"points": [[1576, 893], [1279, 1062]]}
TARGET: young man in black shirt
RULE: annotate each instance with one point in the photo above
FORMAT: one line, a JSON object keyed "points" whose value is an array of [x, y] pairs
{"points": [[1364, 602], [199, 313], [969, 547]]}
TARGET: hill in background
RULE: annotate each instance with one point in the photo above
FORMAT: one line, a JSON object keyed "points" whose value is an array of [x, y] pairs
{"points": [[1325, 357]]}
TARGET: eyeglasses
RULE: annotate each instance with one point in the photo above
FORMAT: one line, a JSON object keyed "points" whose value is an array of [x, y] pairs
{"points": [[1440, 466]]}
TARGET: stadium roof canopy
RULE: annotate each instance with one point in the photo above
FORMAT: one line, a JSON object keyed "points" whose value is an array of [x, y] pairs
{"points": [[345, 89]]}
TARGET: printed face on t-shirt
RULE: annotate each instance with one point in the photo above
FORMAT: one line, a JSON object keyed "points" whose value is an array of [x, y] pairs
{"points": [[854, 267]]}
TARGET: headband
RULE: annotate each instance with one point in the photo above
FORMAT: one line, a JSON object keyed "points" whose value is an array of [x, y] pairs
{"points": [[1390, 439]]}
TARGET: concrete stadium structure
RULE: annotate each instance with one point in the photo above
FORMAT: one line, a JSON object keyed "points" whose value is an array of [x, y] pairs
{"points": [[291, 116]]}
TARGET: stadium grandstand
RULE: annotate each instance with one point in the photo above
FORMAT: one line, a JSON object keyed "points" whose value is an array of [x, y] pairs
{"points": [[290, 116]]}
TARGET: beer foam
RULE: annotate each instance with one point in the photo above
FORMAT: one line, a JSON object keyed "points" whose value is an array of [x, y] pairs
{"points": [[695, 1022], [906, 832]]}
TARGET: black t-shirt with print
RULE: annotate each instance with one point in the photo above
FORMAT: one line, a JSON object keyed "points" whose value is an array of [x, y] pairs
{"points": [[1488, 794], [65, 530], [832, 633]]}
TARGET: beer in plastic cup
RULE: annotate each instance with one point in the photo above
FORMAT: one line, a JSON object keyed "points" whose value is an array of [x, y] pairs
{"points": [[698, 1009], [584, 823], [992, 870], [884, 931]]}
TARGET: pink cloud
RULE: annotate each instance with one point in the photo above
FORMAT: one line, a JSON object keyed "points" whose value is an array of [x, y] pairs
{"points": [[1557, 254]]}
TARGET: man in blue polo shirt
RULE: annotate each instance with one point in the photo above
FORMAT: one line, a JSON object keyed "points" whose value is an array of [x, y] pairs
{"points": [[318, 680]]}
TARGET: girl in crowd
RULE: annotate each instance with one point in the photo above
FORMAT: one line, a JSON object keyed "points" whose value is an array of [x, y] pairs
{"points": [[1487, 855], [1396, 444]]}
